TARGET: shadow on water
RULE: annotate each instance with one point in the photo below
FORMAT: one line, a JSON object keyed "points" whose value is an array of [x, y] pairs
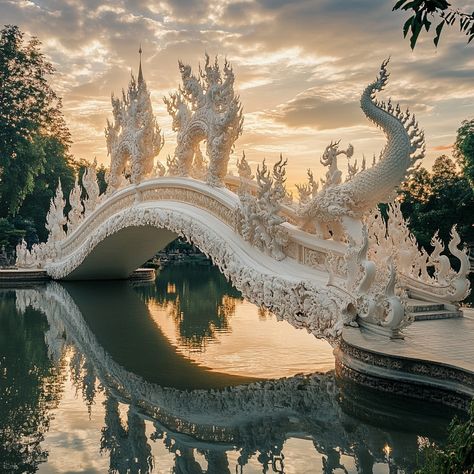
{"points": [[122, 325], [102, 336]]}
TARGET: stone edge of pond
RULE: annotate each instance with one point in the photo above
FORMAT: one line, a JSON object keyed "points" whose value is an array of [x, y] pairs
{"points": [[408, 377], [12, 277]]}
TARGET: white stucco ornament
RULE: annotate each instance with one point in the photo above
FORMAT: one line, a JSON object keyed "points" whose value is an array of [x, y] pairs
{"points": [[206, 108], [55, 219], [258, 217], [77, 208], [392, 240], [91, 186], [134, 137], [309, 190], [243, 167]]}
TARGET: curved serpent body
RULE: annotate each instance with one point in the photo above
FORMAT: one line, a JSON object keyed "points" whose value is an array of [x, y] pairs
{"points": [[335, 209]]}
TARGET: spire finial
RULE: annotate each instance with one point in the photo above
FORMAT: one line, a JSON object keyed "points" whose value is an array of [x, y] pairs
{"points": [[140, 74]]}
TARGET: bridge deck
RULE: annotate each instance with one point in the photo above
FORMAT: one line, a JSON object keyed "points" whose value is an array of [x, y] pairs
{"points": [[448, 341]]}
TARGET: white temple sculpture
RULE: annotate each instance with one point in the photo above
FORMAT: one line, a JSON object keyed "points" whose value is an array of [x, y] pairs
{"points": [[258, 217], [133, 138], [428, 275], [77, 208], [24, 258], [205, 108], [91, 186], [307, 191], [55, 219], [338, 209], [243, 167]]}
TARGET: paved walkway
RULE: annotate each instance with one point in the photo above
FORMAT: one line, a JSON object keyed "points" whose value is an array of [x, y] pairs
{"points": [[448, 341]]}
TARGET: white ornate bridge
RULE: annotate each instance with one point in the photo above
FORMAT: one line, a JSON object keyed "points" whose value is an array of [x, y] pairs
{"points": [[320, 263]]}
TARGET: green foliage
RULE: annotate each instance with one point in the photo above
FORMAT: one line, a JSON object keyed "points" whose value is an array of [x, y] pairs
{"points": [[30, 115], [56, 168], [438, 200], [464, 149], [425, 11], [34, 140], [457, 457]]}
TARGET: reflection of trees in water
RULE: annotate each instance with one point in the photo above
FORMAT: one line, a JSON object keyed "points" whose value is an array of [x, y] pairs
{"points": [[198, 298], [252, 422], [30, 387], [127, 445]]}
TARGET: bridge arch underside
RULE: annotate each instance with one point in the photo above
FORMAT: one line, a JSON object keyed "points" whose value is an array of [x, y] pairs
{"points": [[117, 256]]}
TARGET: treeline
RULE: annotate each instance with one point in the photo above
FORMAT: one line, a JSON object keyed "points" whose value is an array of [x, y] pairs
{"points": [[34, 141]]}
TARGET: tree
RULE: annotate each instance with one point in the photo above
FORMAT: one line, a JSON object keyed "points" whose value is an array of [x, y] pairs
{"points": [[424, 12], [57, 167], [438, 200], [464, 149], [30, 116], [458, 454]]}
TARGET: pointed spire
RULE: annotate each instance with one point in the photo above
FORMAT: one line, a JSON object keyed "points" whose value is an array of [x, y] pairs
{"points": [[140, 73]]}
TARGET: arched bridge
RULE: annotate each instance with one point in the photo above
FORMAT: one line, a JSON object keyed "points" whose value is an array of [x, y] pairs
{"points": [[320, 263]]}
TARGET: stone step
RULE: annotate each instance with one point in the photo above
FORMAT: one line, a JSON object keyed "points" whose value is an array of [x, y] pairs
{"points": [[422, 308], [418, 306], [431, 315]]}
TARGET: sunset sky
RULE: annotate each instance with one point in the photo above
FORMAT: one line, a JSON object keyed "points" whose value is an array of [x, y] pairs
{"points": [[300, 68]]}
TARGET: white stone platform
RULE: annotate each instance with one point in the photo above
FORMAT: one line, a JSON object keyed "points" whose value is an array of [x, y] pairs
{"points": [[434, 361], [449, 342]]}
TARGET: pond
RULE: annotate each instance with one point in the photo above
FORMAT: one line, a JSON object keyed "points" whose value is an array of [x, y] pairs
{"points": [[184, 376]]}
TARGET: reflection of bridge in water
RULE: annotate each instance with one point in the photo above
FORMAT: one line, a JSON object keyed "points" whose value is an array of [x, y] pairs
{"points": [[325, 263], [342, 423]]}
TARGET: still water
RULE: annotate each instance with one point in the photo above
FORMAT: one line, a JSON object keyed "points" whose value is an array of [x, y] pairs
{"points": [[184, 376]]}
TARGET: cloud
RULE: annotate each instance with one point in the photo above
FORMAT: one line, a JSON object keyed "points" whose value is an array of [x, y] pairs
{"points": [[300, 66], [443, 147], [312, 109]]}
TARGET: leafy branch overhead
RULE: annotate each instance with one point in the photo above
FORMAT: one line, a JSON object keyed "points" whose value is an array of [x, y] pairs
{"points": [[425, 12]]}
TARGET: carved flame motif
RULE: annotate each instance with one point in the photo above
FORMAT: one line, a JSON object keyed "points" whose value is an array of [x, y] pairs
{"points": [[55, 219], [205, 108], [258, 217], [392, 239]]}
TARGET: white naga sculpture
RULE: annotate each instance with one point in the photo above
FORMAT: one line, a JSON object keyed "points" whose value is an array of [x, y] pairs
{"points": [[134, 138], [338, 209], [205, 108]]}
